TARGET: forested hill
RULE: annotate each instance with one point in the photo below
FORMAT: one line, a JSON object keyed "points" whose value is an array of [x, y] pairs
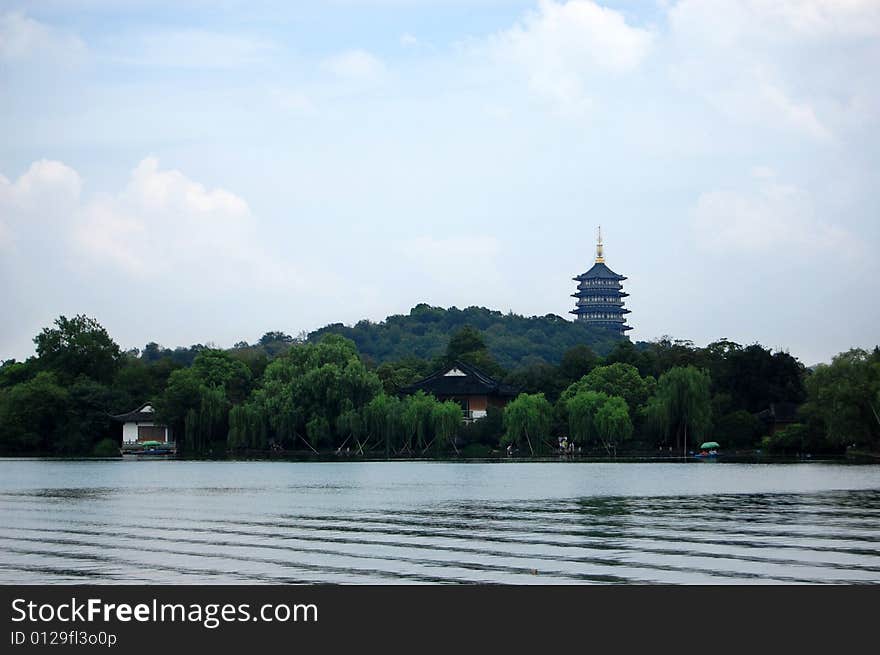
{"points": [[513, 341]]}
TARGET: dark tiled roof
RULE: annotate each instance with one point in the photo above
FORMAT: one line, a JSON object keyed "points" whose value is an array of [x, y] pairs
{"points": [[780, 413], [473, 382], [135, 415], [601, 271]]}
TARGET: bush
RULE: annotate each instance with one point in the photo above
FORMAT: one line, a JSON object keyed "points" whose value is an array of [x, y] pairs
{"points": [[106, 448], [476, 450]]}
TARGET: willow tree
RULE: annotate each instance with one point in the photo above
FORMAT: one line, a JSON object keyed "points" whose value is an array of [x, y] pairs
{"points": [[528, 418], [582, 409], [447, 422], [417, 420], [383, 419], [684, 402], [247, 427], [845, 395], [613, 424], [350, 424]]}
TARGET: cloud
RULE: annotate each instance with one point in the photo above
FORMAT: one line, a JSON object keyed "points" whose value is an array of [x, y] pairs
{"points": [[562, 46], [727, 22], [356, 65], [39, 202], [408, 40], [193, 49], [165, 226], [779, 64], [160, 227], [769, 217], [23, 38]]}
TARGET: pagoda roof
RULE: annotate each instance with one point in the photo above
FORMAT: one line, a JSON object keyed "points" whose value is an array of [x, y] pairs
{"points": [[600, 271], [461, 379], [143, 413]]}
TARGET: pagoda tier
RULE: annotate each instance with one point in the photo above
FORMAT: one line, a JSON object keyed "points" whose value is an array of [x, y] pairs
{"points": [[600, 296]]}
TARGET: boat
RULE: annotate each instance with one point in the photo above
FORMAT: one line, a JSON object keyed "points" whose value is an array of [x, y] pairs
{"points": [[145, 449], [708, 450]]}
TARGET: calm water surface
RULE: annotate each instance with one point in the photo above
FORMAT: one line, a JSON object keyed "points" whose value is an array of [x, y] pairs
{"points": [[421, 522]]}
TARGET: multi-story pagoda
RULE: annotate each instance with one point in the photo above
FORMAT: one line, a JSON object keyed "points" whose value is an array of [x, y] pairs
{"points": [[600, 295]]}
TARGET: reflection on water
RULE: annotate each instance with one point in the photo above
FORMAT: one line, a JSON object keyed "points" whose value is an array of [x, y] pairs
{"points": [[222, 522]]}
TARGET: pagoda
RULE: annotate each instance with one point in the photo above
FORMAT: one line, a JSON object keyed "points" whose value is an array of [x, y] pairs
{"points": [[600, 295]]}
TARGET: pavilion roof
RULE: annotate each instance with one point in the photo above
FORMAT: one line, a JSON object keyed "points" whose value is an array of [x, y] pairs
{"points": [[460, 379], [600, 271]]}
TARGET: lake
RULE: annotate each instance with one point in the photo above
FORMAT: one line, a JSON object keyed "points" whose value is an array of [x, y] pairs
{"points": [[184, 522]]}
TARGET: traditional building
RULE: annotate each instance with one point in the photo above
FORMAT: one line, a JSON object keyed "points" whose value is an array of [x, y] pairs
{"points": [[778, 416], [140, 425], [600, 295], [468, 386]]}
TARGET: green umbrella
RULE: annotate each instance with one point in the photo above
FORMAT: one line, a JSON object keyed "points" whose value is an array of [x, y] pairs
{"points": [[709, 445], [151, 443]]}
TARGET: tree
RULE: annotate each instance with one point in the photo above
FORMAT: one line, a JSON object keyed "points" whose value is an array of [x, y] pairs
{"points": [[684, 403], [737, 429], [613, 424], [313, 384], [32, 414], [845, 395], [247, 427], [467, 340], [446, 417], [383, 417], [418, 420], [577, 362], [78, 346], [582, 409], [621, 380], [397, 375], [527, 421]]}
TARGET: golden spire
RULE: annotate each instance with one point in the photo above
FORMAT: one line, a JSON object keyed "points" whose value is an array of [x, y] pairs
{"points": [[599, 258]]}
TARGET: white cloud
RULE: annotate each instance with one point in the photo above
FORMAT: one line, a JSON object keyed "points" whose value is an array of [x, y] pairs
{"points": [[798, 66], [39, 202], [408, 40], [356, 65], [562, 46], [769, 217], [163, 225], [294, 101], [727, 22], [23, 38], [192, 49]]}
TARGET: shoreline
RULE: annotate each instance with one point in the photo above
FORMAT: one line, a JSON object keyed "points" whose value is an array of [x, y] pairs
{"points": [[306, 457]]}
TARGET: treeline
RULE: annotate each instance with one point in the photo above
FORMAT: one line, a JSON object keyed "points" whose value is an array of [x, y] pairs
{"points": [[512, 340], [319, 393]]}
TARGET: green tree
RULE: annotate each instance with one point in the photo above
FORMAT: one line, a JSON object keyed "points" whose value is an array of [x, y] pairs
{"points": [[621, 380], [418, 421], [582, 409], [32, 415], [78, 346], [314, 384], [467, 340], [737, 429], [845, 396], [684, 403], [527, 421], [613, 425], [447, 420], [577, 362], [383, 417]]}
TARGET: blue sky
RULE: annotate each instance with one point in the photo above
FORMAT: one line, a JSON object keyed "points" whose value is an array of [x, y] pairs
{"points": [[207, 171]]}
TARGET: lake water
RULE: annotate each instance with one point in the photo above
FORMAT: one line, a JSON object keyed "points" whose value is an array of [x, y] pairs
{"points": [[424, 522]]}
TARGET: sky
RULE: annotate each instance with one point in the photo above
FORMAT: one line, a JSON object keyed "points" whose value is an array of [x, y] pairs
{"points": [[204, 172]]}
